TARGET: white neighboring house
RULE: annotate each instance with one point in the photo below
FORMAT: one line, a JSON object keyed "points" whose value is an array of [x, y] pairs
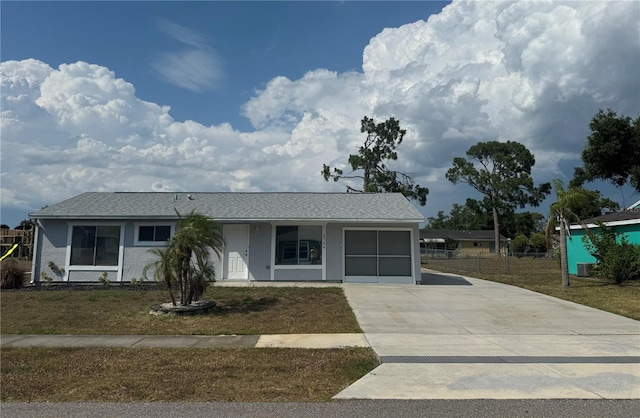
{"points": [[343, 237]]}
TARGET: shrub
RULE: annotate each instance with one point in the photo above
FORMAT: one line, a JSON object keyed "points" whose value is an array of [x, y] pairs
{"points": [[58, 271], [12, 276], [616, 258], [622, 263], [137, 282], [104, 279], [519, 244], [538, 243]]}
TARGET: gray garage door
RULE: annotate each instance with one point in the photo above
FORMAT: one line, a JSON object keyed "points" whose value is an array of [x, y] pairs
{"points": [[374, 256]]}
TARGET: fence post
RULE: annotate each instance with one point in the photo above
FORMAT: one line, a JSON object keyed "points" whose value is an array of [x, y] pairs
{"points": [[508, 251], [479, 264]]}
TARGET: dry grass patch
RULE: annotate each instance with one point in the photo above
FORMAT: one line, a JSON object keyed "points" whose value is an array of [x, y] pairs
{"points": [[128, 375], [264, 310], [543, 276]]}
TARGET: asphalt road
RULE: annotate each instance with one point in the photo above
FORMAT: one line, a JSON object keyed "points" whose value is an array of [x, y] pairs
{"points": [[478, 408]]}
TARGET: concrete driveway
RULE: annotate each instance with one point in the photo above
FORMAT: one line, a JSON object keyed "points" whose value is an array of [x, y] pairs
{"points": [[464, 338]]}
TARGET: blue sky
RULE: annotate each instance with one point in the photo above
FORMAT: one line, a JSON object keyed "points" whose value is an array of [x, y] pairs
{"points": [[253, 41], [256, 96]]}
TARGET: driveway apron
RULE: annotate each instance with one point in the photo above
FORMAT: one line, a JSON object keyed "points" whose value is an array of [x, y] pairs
{"points": [[464, 338]]}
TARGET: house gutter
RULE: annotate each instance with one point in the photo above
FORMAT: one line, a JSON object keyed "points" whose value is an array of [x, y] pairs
{"points": [[611, 223], [175, 218]]}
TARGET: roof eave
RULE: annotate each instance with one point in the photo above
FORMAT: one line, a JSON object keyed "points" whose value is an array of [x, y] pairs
{"points": [[148, 217], [610, 223]]}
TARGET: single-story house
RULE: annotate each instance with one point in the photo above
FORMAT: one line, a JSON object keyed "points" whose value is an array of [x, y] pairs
{"points": [[578, 258], [479, 241], [344, 237]]}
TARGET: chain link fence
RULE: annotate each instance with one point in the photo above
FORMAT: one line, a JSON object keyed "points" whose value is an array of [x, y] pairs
{"points": [[487, 263]]}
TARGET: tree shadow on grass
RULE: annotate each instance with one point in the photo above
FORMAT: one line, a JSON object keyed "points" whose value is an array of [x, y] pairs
{"points": [[244, 306]]}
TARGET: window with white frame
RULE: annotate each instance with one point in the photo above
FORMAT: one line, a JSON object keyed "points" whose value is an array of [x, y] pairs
{"points": [[93, 245], [298, 245], [152, 234]]}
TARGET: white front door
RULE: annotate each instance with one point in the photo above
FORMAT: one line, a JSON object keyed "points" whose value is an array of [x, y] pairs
{"points": [[236, 251]]}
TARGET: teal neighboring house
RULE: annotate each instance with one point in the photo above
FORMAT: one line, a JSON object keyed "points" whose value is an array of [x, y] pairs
{"points": [[626, 222]]}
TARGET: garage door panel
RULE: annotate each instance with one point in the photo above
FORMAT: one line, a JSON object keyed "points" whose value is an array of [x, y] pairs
{"points": [[394, 243], [361, 243], [384, 255], [395, 266], [361, 266]]}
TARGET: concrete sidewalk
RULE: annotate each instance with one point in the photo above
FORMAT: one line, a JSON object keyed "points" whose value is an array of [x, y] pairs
{"points": [[319, 341], [465, 338]]}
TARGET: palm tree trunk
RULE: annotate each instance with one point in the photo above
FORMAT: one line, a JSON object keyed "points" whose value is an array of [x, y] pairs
{"points": [[186, 286], [184, 281], [167, 281], [191, 288], [183, 286], [564, 265]]}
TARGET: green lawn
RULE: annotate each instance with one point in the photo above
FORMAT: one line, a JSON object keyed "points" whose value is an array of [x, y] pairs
{"points": [[240, 310]]}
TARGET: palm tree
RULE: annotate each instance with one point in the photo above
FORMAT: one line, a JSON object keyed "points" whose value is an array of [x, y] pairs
{"points": [[561, 214], [163, 270], [185, 262], [196, 235]]}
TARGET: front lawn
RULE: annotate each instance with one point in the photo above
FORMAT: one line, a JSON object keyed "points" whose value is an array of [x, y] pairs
{"points": [[121, 311], [185, 374]]}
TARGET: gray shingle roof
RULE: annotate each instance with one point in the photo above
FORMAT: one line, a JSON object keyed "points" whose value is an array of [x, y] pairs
{"points": [[386, 207], [626, 215]]}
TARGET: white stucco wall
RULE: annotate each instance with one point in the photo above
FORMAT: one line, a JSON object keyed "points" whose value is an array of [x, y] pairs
{"points": [[51, 246]]}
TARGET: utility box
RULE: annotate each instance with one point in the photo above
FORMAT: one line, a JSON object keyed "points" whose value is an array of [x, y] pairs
{"points": [[584, 269]]}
